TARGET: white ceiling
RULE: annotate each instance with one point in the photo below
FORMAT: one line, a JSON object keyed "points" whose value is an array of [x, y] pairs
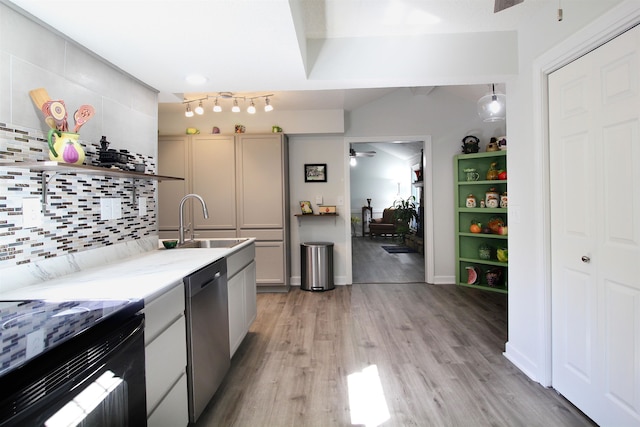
{"points": [[253, 47]]}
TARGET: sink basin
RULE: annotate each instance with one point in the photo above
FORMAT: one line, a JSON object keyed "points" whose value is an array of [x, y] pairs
{"points": [[213, 243]]}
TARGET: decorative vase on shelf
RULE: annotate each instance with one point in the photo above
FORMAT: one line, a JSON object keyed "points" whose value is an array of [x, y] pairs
{"points": [[64, 147], [493, 172]]}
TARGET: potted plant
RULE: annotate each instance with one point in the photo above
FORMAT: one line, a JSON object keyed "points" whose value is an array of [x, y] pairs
{"points": [[404, 212]]}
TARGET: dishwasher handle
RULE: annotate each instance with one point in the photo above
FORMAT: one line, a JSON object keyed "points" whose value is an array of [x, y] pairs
{"points": [[208, 282]]}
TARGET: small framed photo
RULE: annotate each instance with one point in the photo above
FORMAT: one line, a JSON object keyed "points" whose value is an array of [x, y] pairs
{"points": [[305, 206], [315, 172]]}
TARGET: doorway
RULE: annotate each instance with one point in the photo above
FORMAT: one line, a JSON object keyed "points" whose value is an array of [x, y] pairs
{"points": [[386, 174]]}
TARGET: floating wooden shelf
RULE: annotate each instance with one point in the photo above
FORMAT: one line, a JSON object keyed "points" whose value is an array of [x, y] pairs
{"points": [[58, 168]]}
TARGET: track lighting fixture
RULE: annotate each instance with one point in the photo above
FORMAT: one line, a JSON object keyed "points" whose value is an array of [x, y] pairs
{"points": [[492, 107], [223, 96], [199, 109], [188, 112]]}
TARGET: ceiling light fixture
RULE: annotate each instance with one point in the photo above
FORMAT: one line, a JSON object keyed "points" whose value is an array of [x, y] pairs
{"points": [[199, 109], [352, 157], [492, 107], [222, 96], [267, 106], [217, 108]]}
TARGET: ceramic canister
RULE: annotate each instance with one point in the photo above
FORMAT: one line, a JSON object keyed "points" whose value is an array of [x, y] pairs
{"points": [[492, 199]]}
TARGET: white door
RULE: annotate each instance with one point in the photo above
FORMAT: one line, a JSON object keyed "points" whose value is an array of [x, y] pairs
{"points": [[594, 116]]}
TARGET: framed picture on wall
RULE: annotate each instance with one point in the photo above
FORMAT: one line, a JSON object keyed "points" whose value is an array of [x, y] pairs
{"points": [[315, 172]]}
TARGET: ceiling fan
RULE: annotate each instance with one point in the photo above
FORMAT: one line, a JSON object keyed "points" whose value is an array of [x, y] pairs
{"points": [[354, 153], [504, 4]]}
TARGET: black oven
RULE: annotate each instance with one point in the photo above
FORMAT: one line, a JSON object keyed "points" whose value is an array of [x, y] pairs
{"points": [[72, 363]]}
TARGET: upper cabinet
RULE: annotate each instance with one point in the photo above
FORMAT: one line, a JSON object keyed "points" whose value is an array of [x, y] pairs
{"points": [[481, 220]]}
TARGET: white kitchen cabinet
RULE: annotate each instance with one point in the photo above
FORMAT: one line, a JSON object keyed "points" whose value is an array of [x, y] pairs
{"points": [[244, 180], [166, 359], [173, 159], [213, 178], [241, 284]]}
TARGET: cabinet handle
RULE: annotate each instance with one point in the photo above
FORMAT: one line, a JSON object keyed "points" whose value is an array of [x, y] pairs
{"points": [[586, 259]]}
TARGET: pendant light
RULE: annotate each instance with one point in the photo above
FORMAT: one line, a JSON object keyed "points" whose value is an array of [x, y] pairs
{"points": [[252, 108], [235, 107], [352, 157], [492, 107]]}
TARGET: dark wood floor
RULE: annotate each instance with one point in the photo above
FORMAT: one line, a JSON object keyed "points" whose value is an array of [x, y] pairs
{"points": [[372, 264], [437, 351]]}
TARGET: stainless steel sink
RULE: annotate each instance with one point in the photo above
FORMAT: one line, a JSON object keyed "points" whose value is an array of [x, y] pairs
{"points": [[213, 243]]}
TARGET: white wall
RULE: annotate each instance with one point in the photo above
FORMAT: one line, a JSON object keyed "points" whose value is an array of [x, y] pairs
{"points": [[447, 118], [319, 149], [529, 312]]}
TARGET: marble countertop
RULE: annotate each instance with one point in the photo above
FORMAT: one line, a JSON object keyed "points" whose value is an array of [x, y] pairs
{"points": [[143, 276]]}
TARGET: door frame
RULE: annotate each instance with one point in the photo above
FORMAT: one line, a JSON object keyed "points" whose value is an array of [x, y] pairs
{"points": [[427, 164], [609, 26]]}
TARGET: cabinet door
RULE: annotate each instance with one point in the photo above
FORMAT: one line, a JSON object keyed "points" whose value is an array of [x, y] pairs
{"points": [[213, 177], [261, 181], [270, 263], [250, 307], [173, 160], [237, 330]]}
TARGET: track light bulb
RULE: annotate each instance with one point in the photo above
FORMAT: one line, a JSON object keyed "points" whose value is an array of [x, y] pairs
{"points": [[235, 107], [216, 107], [352, 161], [199, 109], [188, 112], [267, 107], [252, 108]]}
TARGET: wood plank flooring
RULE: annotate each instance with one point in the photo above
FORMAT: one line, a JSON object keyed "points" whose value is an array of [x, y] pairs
{"points": [[437, 351], [372, 264]]}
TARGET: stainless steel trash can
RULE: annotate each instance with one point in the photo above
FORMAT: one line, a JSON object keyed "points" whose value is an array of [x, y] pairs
{"points": [[316, 266]]}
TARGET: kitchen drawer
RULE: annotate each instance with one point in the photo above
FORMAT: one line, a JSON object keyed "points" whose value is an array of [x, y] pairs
{"points": [[166, 361], [163, 311], [173, 410], [203, 233], [240, 259]]}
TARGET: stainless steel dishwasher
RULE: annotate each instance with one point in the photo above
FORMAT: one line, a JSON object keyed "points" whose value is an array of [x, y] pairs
{"points": [[208, 353]]}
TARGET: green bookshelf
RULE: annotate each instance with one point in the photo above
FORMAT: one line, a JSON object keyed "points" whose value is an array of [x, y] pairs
{"points": [[470, 246]]}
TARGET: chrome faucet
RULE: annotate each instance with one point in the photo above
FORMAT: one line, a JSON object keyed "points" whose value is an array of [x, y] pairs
{"points": [[181, 214]]}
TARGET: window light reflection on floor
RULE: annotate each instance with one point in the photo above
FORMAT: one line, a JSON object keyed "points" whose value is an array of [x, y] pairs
{"points": [[366, 398]]}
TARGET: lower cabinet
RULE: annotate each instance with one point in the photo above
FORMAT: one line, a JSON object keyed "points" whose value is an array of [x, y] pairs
{"points": [[166, 360]]}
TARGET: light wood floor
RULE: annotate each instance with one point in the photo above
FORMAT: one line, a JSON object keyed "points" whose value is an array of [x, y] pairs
{"points": [[437, 350], [372, 264]]}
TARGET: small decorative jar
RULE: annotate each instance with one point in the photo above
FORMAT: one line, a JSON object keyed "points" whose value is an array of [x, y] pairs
{"points": [[492, 200], [484, 251], [471, 201], [504, 201]]}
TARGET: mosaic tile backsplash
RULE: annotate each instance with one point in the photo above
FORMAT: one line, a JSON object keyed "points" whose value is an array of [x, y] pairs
{"points": [[72, 219]]}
